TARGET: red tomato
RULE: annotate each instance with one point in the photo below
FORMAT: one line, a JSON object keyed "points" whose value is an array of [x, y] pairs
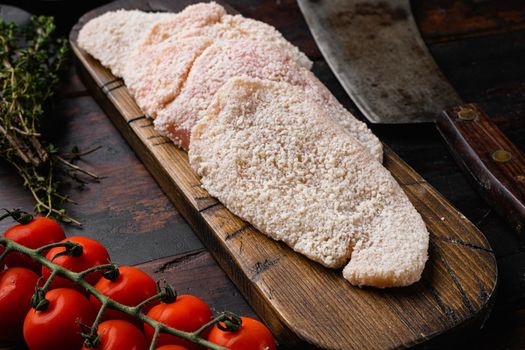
{"points": [[17, 285], [93, 253], [172, 347], [57, 327], [119, 335], [38, 232], [131, 287], [187, 313], [252, 335]]}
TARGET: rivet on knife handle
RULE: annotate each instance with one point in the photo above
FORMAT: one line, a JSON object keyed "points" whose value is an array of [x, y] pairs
{"points": [[495, 164], [502, 156], [467, 113]]}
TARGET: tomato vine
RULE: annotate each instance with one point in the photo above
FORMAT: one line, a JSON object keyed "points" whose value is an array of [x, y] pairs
{"points": [[165, 294]]}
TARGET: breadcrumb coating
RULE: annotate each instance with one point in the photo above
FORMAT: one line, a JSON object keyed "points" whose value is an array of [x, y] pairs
{"points": [[278, 161]]}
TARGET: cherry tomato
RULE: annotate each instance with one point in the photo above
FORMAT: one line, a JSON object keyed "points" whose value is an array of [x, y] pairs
{"points": [[119, 335], [17, 285], [171, 347], [130, 288], [57, 327], [38, 232], [187, 313], [93, 253], [252, 335]]}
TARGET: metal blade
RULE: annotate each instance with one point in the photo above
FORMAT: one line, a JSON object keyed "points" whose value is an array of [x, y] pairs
{"points": [[14, 14], [375, 50]]}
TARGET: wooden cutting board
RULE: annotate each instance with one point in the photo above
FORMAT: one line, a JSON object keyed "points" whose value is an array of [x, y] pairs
{"points": [[305, 304]]}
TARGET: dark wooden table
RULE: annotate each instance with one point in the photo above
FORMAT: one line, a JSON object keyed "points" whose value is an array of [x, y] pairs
{"points": [[480, 46]]}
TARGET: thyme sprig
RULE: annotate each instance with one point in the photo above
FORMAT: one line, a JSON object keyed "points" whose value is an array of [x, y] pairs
{"points": [[32, 61]]}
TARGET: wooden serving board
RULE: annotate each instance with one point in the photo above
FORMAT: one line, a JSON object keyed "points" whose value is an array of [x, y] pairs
{"points": [[305, 304]]}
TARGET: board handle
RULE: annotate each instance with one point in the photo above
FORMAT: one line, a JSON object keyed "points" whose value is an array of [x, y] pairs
{"points": [[484, 153]]}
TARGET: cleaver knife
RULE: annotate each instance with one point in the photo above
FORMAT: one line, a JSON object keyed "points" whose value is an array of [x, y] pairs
{"points": [[376, 52]]}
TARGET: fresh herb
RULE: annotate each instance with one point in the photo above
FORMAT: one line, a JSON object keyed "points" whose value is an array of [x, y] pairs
{"points": [[32, 61]]}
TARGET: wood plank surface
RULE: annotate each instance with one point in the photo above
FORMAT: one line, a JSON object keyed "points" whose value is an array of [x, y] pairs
{"points": [[304, 303], [109, 215], [195, 272], [133, 219]]}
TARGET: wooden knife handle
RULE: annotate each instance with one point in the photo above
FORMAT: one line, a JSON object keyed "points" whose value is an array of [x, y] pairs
{"points": [[496, 165]]}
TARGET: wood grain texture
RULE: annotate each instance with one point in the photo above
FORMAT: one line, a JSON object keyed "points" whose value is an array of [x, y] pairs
{"points": [[446, 19], [494, 163], [304, 303], [108, 211], [196, 273], [132, 218], [480, 46]]}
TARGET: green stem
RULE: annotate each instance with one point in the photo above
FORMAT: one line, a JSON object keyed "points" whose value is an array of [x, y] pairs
{"points": [[46, 285], [76, 168], [94, 327], [66, 245], [64, 198], [213, 322], [50, 209], [6, 215], [40, 205], [153, 344], [4, 253], [78, 279], [140, 306], [96, 268], [18, 215]]}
